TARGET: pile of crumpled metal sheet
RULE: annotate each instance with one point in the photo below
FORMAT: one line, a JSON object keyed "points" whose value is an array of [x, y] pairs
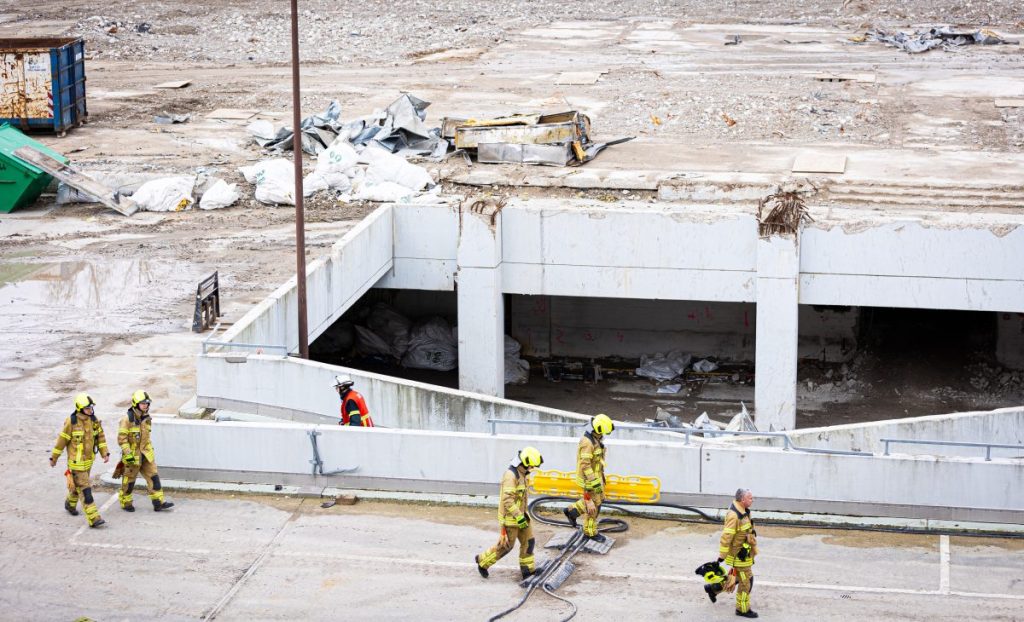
{"points": [[561, 139], [923, 40]]}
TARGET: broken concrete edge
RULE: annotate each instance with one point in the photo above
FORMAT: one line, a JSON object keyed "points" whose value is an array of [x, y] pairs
{"points": [[808, 520]]}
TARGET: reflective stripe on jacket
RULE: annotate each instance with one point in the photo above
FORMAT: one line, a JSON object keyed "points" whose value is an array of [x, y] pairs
{"points": [[133, 435], [354, 410], [590, 461], [512, 502], [83, 437], [738, 544]]}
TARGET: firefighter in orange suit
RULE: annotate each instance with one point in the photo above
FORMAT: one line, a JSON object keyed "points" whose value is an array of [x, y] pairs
{"points": [[513, 516], [82, 436], [353, 407]]}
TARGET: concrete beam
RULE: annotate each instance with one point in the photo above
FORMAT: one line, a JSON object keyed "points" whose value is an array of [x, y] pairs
{"points": [[480, 300], [776, 346]]}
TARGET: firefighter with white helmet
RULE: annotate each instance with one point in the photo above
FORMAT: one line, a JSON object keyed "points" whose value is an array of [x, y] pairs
{"points": [[513, 516]]}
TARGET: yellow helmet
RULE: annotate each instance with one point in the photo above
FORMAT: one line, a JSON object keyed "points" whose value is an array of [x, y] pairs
{"points": [[530, 457], [83, 401], [140, 396], [602, 424]]}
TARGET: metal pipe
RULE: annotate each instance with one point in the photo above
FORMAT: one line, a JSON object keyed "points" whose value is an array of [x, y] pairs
{"points": [[988, 446], [300, 225]]}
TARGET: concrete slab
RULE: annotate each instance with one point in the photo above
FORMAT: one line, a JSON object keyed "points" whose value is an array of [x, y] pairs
{"points": [[819, 163]]}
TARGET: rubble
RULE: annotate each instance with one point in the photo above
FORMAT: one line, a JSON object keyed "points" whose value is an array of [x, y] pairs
{"points": [[946, 37]]}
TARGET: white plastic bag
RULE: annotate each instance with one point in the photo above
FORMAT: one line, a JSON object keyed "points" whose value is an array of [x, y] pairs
{"points": [[274, 179], [388, 167], [517, 370], [386, 192], [333, 169], [221, 194], [169, 194], [432, 345]]}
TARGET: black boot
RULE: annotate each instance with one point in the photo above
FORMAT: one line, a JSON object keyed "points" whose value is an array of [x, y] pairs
{"points": [[598, 537], [71, 509], [128, 507], [711, 592], [98, 522], [571, 513], [483, 571], [159, 506], [749, 614], [527, 573]]}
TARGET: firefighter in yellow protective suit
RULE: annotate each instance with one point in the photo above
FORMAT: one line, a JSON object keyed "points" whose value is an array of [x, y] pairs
{"points": [[82, 436], [137, 456], [513, 517], [590, 463], [737, 548]]}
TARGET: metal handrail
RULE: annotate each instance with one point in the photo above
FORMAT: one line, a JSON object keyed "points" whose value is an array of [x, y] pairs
{"points": [[208, 342], [687, 432], [988, 446]]}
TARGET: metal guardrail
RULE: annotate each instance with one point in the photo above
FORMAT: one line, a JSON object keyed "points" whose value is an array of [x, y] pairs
{"points": [[788, 444], [988, 446], [259, 347]]}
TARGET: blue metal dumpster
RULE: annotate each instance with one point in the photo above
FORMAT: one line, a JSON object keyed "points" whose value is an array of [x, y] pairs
{"points": [[42, 83]]}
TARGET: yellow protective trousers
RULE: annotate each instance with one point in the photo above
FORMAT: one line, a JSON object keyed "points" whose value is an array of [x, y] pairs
{"points": [[526, 543], [589, 518], [149, 472], [80, 486]]}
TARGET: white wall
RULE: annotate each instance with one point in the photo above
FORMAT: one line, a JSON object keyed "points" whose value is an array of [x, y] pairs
{"points": [[1004, 426], [334, 282], [416, 460], [300, 390]]}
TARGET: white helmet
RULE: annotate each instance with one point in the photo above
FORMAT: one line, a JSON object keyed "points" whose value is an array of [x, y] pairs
{"points": [[344, 381]]}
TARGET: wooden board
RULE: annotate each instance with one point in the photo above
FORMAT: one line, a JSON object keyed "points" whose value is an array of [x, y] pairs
{"points": [[819, 163], [232, 114], [176, 84], [579, 77], [77, 180]]}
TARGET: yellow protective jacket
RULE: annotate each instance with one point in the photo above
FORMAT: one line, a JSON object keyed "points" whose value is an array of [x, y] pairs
{"points": [[83, 437], [512, 504], [739, 540], [133, 435], [590, 461]]}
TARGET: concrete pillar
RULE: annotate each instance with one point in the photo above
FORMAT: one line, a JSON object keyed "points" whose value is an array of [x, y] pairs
{"points": [[775, 351], [480, 301], [1010, 340]]}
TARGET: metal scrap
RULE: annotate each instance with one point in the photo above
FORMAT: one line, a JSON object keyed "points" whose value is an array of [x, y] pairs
{"points": [[558, 139], [922, 40]]}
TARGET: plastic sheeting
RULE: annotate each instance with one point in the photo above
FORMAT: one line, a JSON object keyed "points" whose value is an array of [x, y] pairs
{"points": [[432, 345], [517, 370], [663, 367]]}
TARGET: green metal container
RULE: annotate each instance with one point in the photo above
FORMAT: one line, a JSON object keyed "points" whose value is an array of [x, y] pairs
{"points": [[20, 182]]}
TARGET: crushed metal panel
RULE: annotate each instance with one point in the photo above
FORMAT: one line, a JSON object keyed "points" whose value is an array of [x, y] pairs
{"points": [[819, 163], [77, 180], [501, 153], [564, 127]]}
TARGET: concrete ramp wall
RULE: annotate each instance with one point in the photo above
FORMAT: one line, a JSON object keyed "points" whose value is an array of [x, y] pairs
{"points": [[1003, 426], [300, 390], [429, 461], [333, 284]]}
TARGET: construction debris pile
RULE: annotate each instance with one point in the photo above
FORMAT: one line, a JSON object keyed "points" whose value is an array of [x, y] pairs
{"points": [[946, 37], [781, 213]]}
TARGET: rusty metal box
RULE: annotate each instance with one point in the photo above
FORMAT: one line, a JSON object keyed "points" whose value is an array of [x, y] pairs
{"points": [[42, 83]]}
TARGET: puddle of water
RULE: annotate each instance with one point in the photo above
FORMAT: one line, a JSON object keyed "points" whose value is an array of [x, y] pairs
{"points": [[54, 312]]}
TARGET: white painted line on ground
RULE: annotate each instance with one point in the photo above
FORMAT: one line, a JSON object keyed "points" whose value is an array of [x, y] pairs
{"points": [[251, 571], [404, 561], [944, 564], [147, 549], [103, 508]]}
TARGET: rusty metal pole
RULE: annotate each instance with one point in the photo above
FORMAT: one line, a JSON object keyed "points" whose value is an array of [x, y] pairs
{"points": [[300, 224]]}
